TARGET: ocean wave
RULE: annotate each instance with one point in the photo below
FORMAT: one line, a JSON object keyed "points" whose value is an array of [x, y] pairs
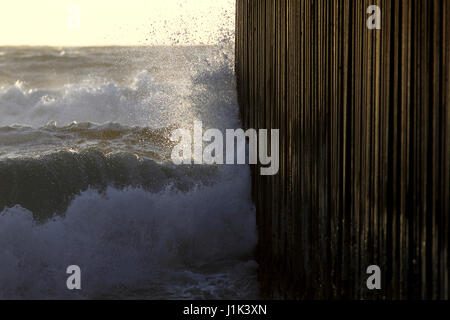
{"points": [[133, 243], [143, 103], [85, 177], [23, 141], [46, 185]]}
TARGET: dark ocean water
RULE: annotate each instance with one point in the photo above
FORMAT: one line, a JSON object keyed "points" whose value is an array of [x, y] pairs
{"points": [[86, 176]]}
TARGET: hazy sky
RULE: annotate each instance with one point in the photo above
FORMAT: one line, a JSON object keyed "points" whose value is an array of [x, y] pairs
{"points": [[114, 22]]}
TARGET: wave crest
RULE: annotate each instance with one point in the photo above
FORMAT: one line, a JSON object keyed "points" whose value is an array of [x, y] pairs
{"points": [[46, 185], [143, 103], [134, 243]]}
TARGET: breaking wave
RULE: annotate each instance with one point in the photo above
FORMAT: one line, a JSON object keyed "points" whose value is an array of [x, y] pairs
{"points": [[85, 180], [141, 103], [136, 244]]}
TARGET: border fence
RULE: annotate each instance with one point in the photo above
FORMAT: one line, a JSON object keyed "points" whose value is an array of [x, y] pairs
{"points": [[364, 144]]}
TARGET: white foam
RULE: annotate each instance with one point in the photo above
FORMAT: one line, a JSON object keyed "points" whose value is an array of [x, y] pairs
{"points": [[142, 103], [135, 243], [136, 239], [182, 91]]}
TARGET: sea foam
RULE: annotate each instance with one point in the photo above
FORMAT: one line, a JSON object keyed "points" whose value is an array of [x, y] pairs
{"points": [[135, 243]]}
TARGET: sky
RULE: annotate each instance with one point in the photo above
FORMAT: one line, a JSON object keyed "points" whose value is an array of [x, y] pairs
{"points": [[114, 22]]}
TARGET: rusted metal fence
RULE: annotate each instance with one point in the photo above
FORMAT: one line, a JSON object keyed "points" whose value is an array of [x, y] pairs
{"points": [[364, 144]]}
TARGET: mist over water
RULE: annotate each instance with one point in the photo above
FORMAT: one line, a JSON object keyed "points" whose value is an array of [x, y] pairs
{"points": [[85, 176]]}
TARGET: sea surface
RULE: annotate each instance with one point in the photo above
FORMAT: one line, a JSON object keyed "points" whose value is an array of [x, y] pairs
{"points": [[86, 177]]}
